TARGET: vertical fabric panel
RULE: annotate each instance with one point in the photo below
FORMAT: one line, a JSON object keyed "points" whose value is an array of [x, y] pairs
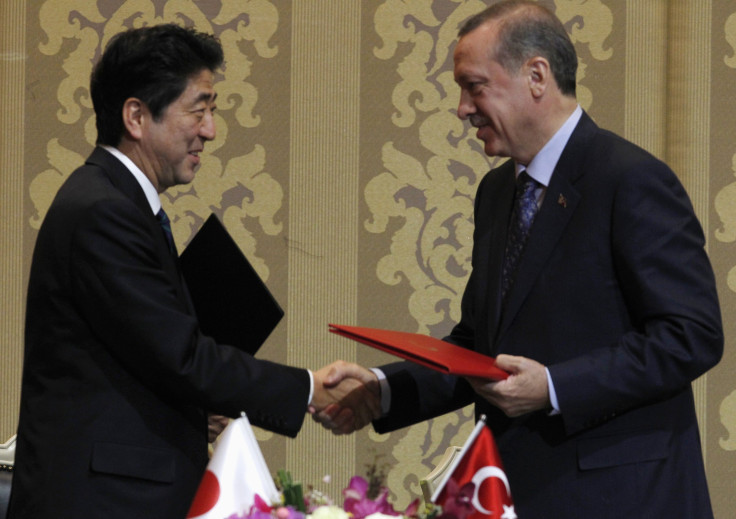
{"points": [[12, 81], [646, 74], [688, 107], [323, 204], [688, 123]]}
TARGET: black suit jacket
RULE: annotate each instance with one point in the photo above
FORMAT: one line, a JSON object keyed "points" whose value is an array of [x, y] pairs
{"points": [[117, 376], [616, 296]]}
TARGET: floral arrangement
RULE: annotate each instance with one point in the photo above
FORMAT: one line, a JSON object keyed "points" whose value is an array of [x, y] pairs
{"points": [[363, 499]]}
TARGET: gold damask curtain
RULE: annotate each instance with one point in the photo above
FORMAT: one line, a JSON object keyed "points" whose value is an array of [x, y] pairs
{"points": [[343, 173]]}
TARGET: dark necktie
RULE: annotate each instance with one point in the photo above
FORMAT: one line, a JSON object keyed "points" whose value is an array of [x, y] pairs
{"points": [[163, 219], [522, 217]]}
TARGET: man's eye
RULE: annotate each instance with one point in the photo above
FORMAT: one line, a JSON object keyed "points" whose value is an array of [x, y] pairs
{"points": [[201, 112]]}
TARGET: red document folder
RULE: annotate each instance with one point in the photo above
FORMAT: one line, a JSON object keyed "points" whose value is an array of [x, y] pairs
{"points": [[425, 350]]}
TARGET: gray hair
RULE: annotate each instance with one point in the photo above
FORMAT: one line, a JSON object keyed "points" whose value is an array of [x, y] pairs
{"points": [[527, 29]]}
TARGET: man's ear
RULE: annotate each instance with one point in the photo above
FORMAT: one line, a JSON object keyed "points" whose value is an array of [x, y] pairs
{"points": [[539, 75], [135, 115]]}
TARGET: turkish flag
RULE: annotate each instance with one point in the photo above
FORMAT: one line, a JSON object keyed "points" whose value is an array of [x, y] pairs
{"points": [[478, 480], [235, 475]]}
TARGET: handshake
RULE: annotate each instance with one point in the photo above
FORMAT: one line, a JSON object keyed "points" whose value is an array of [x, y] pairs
{"points": [[347, 397]]}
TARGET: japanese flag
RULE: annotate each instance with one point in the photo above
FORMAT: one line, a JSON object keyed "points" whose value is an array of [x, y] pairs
{"points": [[235, 474], [477, 475]]}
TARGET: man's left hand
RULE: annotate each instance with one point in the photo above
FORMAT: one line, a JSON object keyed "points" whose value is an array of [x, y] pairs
{"points": [[524, 391], [215, 425]]}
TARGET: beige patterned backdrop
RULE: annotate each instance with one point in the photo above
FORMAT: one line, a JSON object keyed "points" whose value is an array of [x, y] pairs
{"points": [[343, 173]]}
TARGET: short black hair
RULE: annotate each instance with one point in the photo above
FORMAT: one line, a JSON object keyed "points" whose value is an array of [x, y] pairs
{"points": [[152, 64], [527, 29]]}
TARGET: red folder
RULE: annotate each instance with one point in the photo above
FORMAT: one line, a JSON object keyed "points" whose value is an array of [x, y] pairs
{"points": [[425, 350]]}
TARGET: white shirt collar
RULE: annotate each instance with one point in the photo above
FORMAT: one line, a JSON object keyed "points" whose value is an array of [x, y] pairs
{"points": [[544, 162], [146, 185]]}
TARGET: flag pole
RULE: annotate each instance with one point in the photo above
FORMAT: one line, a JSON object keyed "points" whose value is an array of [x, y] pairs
{"points": [[468, 443]]}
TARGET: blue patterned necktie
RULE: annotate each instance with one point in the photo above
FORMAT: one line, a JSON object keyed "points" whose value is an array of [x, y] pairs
{"points": [[163, 219], [522, 217]]}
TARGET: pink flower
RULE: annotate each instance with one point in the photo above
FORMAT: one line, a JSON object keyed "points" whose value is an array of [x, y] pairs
{"points": [[262, 510], [360, 506], [288, 512], [457, 504], [259, 510]]}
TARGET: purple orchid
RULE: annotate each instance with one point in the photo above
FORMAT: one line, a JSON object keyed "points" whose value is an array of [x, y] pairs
{"points": [[458, 501], [360, 506]]}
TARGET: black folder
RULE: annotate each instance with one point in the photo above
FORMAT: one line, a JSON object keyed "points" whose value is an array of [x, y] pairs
{"points": [[233, 304]]}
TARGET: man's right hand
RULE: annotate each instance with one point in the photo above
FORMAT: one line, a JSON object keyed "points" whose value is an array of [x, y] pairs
{"points": [[346, 397]]}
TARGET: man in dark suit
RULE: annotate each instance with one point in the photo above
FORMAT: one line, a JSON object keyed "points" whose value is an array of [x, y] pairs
{"points": [[607, 317], [118, 379]]}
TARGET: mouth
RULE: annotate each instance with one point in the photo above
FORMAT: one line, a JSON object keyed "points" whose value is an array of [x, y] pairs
{"points": [[195, 155], [477, 121], [482, 131]]}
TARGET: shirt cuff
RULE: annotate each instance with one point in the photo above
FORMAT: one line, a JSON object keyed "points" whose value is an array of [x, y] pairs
{"points": [[552, 395], [311, 388], [385, 390]]}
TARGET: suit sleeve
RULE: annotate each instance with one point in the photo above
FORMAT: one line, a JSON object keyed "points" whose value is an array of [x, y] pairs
{"points": [[132, 304], [669, 292], [419, 393]]}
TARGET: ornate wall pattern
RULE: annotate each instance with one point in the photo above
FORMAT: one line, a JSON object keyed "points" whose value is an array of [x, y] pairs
{"points": [[343, 173], [721, 401], [232, 184]]}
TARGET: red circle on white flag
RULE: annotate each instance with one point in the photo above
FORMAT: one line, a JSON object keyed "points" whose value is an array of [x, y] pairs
{"points": [[207, 495]]}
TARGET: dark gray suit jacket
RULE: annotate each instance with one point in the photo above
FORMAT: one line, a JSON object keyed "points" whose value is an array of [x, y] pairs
{"points": [[616, 296], [117, 376]]}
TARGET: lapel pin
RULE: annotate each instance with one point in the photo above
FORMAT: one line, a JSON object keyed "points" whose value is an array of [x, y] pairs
{"points": [[562, 201]]}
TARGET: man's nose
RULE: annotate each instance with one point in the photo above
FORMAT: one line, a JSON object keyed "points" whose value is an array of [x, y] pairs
{"points": [[207, 131], [465, 107]]}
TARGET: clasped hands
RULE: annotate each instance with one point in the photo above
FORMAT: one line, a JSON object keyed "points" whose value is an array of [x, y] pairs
{"points": [[347, 396]]}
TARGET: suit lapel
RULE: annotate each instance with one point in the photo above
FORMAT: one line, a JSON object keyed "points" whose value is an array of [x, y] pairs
{"points": [[120, 177], [560, 202], [125, 182], [499, 215]]}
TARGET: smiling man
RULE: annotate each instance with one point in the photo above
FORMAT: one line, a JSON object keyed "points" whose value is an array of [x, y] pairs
{"points": [[590, 285], [169, 148], [118, 379]]}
